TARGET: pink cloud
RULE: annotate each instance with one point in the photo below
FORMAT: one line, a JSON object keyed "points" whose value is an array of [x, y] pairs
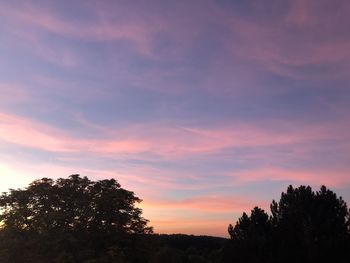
{"points": [[173, 142], [316, 177], [96, 29], [167, 142], [28, 133], [33, 134], [191, 215], [211, 203], [277, 45], [305, 36]]}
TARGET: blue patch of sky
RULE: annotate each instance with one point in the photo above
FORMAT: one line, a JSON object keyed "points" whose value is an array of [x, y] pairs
{"points": [[261, 11], [29, 155]]}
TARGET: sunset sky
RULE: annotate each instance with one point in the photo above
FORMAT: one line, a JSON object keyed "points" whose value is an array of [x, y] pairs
{"points": [[203, 108]]}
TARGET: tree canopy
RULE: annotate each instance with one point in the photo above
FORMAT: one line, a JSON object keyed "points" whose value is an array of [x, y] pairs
{"points": [[76, 220], [75, 203], [68, 220], [307, 226]]}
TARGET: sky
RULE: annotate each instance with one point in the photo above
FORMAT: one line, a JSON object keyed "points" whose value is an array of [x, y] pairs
{"points": [[204, 109]]}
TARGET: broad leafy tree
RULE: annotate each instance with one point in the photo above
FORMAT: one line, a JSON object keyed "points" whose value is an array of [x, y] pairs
{"points": [[70, 220], [75, 203]]}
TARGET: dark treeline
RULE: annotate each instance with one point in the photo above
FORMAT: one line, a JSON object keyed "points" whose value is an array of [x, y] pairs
{"points": [[305, 226], [76, 220]]}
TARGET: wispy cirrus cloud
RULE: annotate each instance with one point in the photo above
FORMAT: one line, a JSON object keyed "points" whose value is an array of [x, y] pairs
{"points": [[164, 141], [156, 138], [316, 177], [96, 28], [201, 108], [28, 133], [293, 40]]}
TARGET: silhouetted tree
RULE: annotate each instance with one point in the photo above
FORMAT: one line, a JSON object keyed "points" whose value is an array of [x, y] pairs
{"points": [[70, 220], [75, 203], [309, 225], [249, 237], [305, 226], [251, 227], [75, 220]]}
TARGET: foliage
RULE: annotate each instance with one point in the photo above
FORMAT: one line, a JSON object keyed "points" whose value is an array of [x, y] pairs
{"points": [[305, 225], [76, 220], [69, 220], [73, 204]]}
